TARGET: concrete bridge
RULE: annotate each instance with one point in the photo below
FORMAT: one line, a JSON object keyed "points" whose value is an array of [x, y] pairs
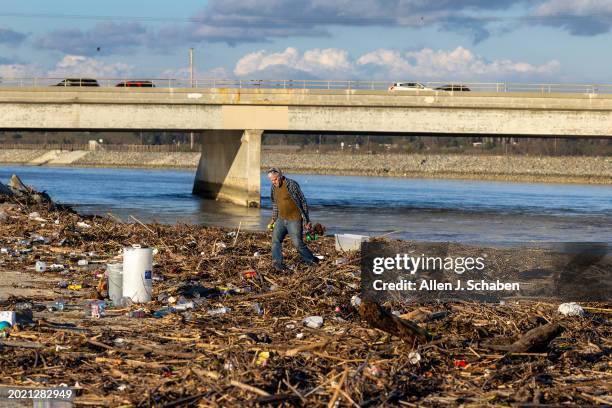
{"points": [[232, 120]]}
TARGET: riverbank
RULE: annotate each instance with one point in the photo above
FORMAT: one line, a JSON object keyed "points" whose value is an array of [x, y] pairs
{"points": [[567, 169], [230, 330]]}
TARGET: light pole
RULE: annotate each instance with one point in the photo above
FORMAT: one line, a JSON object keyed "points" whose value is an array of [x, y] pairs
{"points": [[191, 84], [191, 66]]}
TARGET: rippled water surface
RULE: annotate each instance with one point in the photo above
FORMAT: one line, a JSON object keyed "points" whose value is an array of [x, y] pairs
{"points": [[422, 209]]}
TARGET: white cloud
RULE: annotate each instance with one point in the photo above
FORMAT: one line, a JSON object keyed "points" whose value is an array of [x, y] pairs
{"points": [[390, 61], [315, 62], [460, 63], [329, 59], [80, 66], [425, 64]]}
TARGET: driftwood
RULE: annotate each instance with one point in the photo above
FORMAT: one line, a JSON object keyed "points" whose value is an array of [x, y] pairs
{"points": [[382, 319], [263, 355], [20, 344], [421, 315], [17, 185], [16, 191], [534, 339]]}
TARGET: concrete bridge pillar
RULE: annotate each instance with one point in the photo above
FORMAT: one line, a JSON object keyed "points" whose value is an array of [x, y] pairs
{"points": [[229, 168]]}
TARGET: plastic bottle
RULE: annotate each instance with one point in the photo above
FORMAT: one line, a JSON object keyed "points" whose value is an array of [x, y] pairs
{"points": [[198, 303], [256, 307], [183, 305], [102, 306], [87, 309], [4, 329], [219, 311], [59, 305], [163, 312], [95, 309], [23, 306]]}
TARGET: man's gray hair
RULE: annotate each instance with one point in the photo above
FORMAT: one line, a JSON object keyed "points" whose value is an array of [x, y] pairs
{"points": [[275, 170]]}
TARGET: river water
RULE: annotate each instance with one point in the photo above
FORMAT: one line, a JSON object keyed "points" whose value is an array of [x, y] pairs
{"points": [[478, 212]]}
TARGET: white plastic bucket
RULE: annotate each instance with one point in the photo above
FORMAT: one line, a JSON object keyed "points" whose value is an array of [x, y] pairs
{"points": [[350, 242], [115, 282], [138, 273]]}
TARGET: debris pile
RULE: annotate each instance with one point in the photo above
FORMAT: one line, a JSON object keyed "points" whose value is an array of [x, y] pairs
{"points": [[224, 329]]}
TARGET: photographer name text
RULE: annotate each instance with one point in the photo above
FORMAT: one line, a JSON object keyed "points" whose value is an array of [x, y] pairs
{"points": [[434, 285]]}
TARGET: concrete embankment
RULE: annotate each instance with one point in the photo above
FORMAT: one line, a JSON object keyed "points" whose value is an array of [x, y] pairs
{"points": [[84, 158], [567, 169]]}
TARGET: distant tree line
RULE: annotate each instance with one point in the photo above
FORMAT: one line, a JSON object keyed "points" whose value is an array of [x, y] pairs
{"points": [[577, 146], [550, 146]]}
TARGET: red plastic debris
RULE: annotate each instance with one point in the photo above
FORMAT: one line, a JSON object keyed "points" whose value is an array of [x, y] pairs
{"points": [[460, 363]]}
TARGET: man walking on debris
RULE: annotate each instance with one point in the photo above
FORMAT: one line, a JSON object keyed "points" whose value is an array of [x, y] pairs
{"points": [[289, 211]]}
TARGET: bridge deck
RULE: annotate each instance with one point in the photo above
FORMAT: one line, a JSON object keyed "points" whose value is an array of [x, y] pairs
{"points": [[307, 110]]}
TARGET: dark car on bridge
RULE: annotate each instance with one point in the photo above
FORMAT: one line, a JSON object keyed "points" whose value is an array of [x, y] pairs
{"points": [[78, 82], [453, 87], [136, 84]]}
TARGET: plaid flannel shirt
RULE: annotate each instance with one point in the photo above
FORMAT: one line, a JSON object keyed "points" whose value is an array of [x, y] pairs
{"points": [[298, 198]]}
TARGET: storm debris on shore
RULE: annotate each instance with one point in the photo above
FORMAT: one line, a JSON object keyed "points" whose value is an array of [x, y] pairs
{"points": [[225, 330]]}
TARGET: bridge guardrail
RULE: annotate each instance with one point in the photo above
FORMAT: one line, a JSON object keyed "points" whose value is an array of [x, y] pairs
{"points": [[209, 83]]}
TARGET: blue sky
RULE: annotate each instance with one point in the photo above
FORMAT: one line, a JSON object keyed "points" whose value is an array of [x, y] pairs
{"points": [[447, 40]]}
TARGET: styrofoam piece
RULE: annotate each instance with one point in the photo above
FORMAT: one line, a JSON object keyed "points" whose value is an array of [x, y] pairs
{"points": [[571, 309], [8, 316]]}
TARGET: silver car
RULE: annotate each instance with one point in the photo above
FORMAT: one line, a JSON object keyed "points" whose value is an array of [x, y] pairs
{"points": [[409, 86]]}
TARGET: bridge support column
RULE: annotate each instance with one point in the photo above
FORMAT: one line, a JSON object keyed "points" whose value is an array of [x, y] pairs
{"points": [[229, 168]]}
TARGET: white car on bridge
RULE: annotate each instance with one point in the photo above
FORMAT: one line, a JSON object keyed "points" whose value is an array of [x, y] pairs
{"points": [[409, 86]]}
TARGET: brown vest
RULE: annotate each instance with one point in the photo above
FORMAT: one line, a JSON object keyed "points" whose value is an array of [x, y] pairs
{"points": [[287, 210]]}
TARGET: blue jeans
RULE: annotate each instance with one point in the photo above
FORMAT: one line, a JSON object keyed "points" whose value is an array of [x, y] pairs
{"points": [[294, 229]]}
